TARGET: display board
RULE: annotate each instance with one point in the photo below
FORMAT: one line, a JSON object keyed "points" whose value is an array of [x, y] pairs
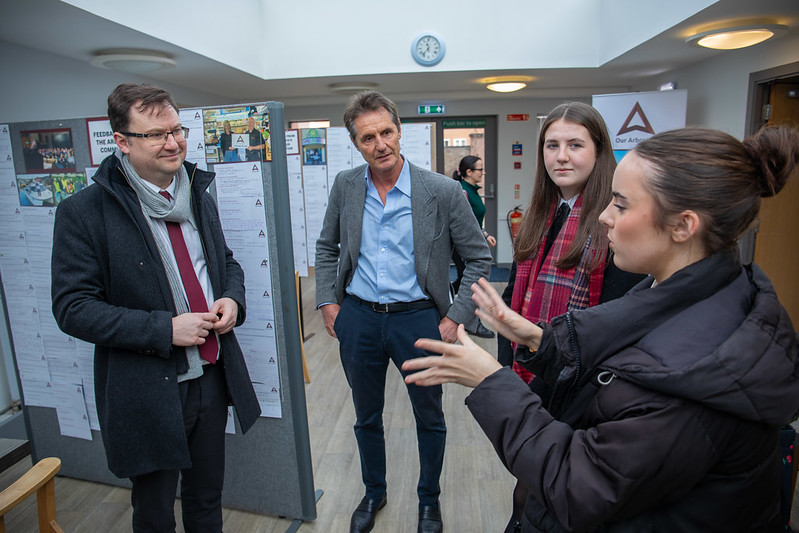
{"points": [[41, 163]]}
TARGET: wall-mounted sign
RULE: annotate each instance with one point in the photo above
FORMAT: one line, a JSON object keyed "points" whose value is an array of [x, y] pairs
{"points": [[463, 123], [517, 165], [431, 109], [518, 117], [633, 117], [516, 149]]}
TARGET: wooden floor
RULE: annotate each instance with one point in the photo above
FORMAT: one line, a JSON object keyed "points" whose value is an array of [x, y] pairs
{"points": [[475, 486]]}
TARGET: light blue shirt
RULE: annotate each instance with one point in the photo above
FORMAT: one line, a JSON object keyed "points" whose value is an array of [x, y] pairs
{"points": [[385, 271]]}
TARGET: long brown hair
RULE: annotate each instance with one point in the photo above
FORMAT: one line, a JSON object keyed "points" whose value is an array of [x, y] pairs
{"points": [[717, 176], [596, 194]]}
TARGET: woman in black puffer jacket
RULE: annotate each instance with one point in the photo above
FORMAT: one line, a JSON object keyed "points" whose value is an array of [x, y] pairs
{"points": [[667, 402]]}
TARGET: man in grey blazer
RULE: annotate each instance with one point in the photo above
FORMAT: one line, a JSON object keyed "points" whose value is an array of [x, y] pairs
{"points": [[382, 282]]}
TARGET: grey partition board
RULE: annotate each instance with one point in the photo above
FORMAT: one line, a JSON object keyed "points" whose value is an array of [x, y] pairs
{"points": [[273, 462], [81, 459], [269, 469]]}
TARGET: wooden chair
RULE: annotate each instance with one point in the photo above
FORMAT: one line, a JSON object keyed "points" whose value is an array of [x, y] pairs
{"points": [[38, 479]]}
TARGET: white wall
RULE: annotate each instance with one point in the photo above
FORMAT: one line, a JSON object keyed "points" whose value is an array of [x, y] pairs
{"points": [[225, 30], [345, 40]]}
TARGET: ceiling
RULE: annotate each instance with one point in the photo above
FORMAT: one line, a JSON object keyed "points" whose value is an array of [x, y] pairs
{"points": [[58, 28]]}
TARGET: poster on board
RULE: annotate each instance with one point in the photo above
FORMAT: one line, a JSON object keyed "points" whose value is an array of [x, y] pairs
{"points": [[101, 139]]}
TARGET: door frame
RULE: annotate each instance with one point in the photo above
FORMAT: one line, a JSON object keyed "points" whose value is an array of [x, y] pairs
{"points": [[490, 163], [757, 96]]}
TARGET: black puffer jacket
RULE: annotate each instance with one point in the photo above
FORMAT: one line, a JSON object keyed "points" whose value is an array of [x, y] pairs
{"points": [[665, 411]]}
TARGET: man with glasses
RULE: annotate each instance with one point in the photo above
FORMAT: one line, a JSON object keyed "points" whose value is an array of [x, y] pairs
{"points": [[140, 268]]}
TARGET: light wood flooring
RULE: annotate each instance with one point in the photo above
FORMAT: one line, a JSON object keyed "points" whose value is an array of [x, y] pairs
{"points": [[476, 487]]}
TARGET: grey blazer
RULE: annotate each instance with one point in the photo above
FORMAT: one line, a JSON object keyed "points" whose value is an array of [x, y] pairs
{"points": [[442, 219]]}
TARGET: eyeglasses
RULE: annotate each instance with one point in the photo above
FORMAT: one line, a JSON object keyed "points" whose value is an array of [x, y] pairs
{"points": [[160, 137], [477, 170]]}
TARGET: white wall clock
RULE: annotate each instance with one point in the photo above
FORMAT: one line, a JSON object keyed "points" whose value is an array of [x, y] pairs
{"points": [[428, 49]]}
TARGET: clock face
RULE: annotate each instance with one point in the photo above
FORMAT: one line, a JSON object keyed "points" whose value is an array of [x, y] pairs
{"points": [[427, 50]]}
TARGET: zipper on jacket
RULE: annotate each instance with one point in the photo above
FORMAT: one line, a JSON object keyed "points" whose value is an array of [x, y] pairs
{"points": [[576, 379]]}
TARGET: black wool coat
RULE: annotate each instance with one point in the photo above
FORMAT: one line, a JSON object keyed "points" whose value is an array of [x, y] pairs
{"points": [[109, 288]]}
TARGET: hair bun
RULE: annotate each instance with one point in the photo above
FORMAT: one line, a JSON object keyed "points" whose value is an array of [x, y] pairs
{"points": [[775, 151]]}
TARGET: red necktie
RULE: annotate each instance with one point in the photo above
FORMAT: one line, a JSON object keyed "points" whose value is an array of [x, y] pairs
{"points": [[194, 292]]}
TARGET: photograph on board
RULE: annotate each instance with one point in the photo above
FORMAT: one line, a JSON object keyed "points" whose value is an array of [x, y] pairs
{"points": [[48, 150], [65, 185], [234, 134], [35, 190]]}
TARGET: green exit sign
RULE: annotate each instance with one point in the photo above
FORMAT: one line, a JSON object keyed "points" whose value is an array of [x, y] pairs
{"points": [[431, 109]]}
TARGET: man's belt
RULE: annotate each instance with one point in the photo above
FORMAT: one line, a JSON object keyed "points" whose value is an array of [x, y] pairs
{"points": [[393, 307]]}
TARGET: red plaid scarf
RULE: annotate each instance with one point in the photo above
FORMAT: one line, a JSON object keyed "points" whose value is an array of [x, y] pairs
{"points": [[552, 291]]}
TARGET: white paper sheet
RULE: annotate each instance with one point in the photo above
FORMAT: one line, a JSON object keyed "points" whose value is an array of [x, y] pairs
{"points": [[73, 420]]}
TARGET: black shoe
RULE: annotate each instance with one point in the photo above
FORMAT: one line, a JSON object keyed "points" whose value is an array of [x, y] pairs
{"points": [[482, 331], [430, 520], [363, 519]]}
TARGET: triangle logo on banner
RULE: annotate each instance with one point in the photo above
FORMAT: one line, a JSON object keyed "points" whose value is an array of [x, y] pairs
{"points": [[636, 112]]}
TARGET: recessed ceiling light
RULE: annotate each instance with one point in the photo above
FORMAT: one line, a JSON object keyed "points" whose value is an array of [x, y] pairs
{"points": [[351, 87], [737, 37], [132, 61]]}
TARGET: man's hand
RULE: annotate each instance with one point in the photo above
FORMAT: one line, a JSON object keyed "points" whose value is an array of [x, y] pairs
{"points": [[448, 329], [329, 314], [191, 329], [227, 311]]}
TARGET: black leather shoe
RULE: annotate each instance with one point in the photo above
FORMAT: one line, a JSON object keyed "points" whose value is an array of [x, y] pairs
{"points": [[363, 519], [482, 331], [430, 520]]}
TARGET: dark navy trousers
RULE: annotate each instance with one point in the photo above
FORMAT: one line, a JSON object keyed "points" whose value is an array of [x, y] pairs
{"points": [[368, 340]]}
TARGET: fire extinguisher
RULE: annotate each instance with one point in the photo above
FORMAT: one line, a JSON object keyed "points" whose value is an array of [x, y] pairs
{"points": [[515, 221]]}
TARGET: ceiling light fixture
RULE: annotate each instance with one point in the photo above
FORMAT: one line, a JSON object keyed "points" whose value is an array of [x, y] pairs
{"points": [[351, 87], [506, 84], [737, 37], [132, 61]]}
